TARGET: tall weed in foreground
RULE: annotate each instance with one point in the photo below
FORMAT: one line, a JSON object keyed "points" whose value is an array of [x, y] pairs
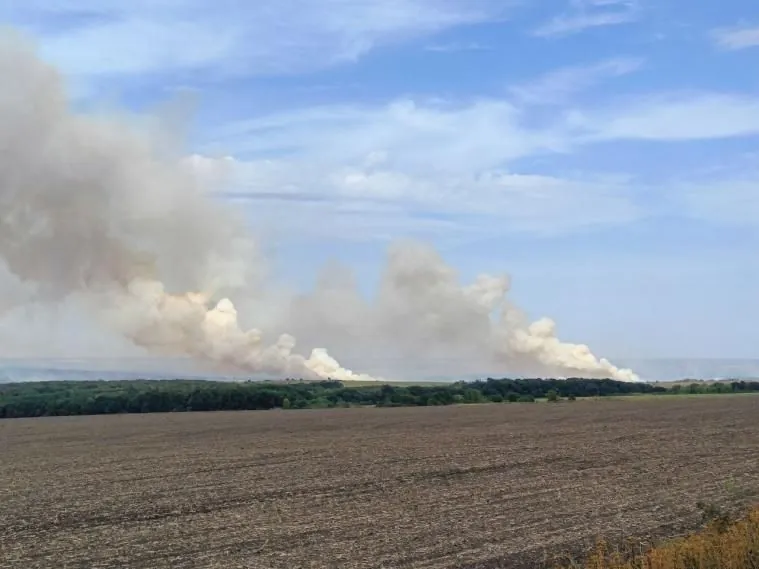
{"points": [[720, 545]]}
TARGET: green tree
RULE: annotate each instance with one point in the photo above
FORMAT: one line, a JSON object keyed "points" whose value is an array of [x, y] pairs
{"points": [[552, 396], [473, 396]]}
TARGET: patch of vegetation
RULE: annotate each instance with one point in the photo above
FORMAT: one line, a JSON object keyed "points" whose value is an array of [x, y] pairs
{"points": [[724, 543], [147, 396], [35, 399], [701, 387]]}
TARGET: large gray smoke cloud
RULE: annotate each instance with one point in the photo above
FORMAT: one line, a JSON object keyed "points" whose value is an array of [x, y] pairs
{"points": [[422, 310], [97, 209]]}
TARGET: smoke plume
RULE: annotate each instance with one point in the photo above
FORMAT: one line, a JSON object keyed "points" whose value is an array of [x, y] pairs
{"points": [[98, 208], [422, 310]]}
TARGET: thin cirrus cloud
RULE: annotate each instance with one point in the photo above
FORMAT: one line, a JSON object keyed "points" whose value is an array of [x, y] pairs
{"points": [[736, 38], [669, 117], [454, 47], [460, 159], [265, 37], [556, 87], [413, 135], [733, 201], [450, 160], [485, 133], [469, 202], [587, 14]]}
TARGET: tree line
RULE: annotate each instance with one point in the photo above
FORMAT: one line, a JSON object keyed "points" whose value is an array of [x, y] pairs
{"points": [[57, 398]]}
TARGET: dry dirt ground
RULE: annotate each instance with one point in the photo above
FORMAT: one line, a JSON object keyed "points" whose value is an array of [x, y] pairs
{"points": [[478, 486]]}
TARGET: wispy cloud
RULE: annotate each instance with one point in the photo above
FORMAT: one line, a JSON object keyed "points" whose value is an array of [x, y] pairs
{"points": [[456, 46], [408, 158], [669, 117], [728, 199], [585, 14], [557, 86], [445, 163], [328, 196], [735, 38], [263, 37], [405, 133]]}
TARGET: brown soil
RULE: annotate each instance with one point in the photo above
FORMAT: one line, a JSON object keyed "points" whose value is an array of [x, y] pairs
{"points": [[469, 486]]}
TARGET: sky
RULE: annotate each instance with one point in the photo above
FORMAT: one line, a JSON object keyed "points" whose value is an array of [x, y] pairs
{"points": [[605, 153]]}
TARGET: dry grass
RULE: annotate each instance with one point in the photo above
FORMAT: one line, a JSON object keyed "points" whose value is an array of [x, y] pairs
{"points": [[473, 487], [731, 545]]}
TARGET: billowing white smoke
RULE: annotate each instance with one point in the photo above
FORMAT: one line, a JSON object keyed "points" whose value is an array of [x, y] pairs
{"points": [[421, 309], [89, 205], [93, 207], [159, 321]]}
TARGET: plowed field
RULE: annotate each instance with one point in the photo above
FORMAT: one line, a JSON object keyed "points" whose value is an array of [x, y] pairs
{"points": [[469, 486]]}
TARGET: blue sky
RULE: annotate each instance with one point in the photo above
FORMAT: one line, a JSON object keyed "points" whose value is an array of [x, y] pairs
{"points": [[603, 152]]}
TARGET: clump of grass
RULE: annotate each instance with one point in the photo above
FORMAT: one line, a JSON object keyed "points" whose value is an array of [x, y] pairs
{"points": [[722, 544]]}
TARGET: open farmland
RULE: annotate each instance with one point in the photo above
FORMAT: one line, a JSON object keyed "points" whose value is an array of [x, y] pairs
{"points": [[477, 486]]}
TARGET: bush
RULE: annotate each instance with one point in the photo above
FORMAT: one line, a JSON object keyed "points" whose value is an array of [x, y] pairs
{"points": [[721, 545], [496, 398], [321, 403], [526, 399], [713, 517], [552, 396], [473, 396]]}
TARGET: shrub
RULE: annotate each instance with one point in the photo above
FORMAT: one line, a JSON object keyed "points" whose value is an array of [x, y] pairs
{"points": [[552, 396], [526, 399], [713, 516], [473, 396], [721, 545]]}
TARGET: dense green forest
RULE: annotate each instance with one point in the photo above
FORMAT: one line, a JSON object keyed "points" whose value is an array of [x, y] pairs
{"points": [[35, 399]]}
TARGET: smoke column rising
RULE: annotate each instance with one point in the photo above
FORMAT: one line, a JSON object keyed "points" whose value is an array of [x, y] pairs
{"points": [[97, 208], [90, 205], [422, 311]]}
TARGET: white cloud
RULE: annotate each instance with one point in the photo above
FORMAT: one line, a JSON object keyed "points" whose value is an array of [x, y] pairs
{"points": [[359, 203], [730, 201], [435, 166], [565, 25], [673, 117], [485, 134], [734, 38], [140, 46], [263, 37], [454, 47], [432, 164], [585, 14], [411, 136], [525, 200], [557, 86]]}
